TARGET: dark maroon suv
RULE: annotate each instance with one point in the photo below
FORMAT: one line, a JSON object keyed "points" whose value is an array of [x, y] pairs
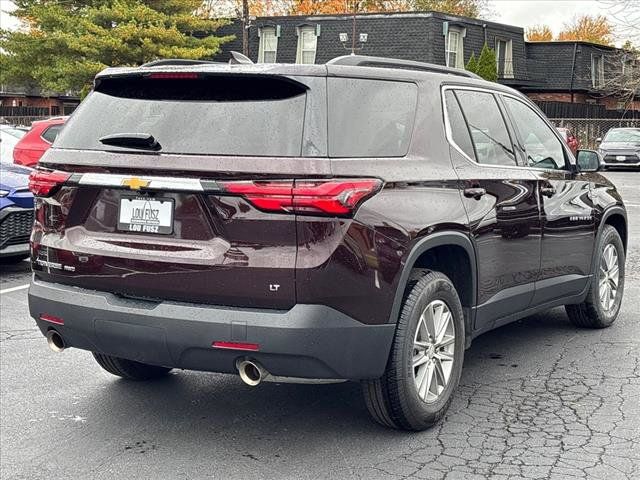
{"points": [[360, 220]]}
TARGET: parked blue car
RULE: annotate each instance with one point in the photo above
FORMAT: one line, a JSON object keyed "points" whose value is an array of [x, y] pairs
{"points": [[16, 212]]}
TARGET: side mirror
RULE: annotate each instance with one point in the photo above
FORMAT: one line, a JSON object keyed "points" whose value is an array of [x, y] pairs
{"points": [[588, 161], [599, 140]]}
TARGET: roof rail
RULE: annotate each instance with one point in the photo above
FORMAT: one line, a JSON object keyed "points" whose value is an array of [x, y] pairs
{"points": [[367, 61], [175, 61]]}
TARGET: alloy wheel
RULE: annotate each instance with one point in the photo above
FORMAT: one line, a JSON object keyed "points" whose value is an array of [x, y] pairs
{"points": [[609, 277], [433, 348]]}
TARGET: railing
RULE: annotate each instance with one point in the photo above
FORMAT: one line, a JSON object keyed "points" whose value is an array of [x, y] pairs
{"points": [[505, 69]]}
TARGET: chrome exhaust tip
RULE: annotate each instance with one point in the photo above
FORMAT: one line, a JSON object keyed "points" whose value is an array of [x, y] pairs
{"points": [[55, 341], [251, 373]]}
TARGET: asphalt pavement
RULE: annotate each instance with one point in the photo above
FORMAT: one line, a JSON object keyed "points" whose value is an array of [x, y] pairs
{"points": [[538, 399]]}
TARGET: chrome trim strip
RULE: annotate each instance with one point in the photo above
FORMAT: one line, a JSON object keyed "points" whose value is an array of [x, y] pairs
{"points": [[154, 183]]}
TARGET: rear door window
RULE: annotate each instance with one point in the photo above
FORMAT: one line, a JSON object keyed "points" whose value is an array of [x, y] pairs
{"points": [[489, 133], [370, 118], [51, 133], [214, 115]]}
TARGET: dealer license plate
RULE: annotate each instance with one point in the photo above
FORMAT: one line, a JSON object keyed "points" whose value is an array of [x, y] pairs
{"points": [[146, 215]]}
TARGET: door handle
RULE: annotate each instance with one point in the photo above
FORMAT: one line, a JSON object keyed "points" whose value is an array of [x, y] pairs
{"points": [[548, 191], [474, 192]]}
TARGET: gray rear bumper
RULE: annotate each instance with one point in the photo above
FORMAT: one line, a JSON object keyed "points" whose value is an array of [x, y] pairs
{"points": [[308, 341]]}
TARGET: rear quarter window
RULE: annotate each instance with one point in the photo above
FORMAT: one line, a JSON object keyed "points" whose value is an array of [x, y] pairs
{"points": [[370, 118], [51, 133]]}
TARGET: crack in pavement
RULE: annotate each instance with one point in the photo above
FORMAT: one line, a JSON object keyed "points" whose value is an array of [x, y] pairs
{"points": [[571, 420]]}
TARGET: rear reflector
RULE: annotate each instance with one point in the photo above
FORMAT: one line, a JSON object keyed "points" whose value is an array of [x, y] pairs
{"points": [[313, 197], [51, 319], [174, 75], [252, 347], [42, 183]]}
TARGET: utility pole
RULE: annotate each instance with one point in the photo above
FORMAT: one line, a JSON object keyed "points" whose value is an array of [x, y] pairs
{"points": [[245, 29], [353, 28]]}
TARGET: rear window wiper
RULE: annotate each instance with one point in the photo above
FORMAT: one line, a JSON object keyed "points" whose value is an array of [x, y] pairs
{"points": [[144, 141]]}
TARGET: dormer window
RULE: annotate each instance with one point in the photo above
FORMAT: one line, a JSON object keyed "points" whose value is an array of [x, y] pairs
{"points": [[307, 43], [597, 71], [268, 49], [454, 47]]}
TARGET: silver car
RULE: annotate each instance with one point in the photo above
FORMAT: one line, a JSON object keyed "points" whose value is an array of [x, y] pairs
{"points": [[620, 147]]}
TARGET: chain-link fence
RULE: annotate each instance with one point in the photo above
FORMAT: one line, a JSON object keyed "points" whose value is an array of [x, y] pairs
{"points": [[588, 130]]}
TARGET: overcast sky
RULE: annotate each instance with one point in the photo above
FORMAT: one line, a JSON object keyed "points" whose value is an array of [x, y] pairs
{"points": [[525, 13], [522, 13]]}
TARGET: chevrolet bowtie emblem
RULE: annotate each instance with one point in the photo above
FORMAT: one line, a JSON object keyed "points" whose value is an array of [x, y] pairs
{"points": [[135, 183]]}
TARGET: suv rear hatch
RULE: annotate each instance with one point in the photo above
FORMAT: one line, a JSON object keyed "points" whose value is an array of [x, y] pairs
{"points": [[185, 185]]}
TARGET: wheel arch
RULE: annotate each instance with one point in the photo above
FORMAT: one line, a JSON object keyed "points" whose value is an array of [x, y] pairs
{"points": [[617, 218], [459, 253]]}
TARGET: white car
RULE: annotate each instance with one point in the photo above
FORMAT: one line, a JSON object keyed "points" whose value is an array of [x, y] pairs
{"points": [[9, 137]]}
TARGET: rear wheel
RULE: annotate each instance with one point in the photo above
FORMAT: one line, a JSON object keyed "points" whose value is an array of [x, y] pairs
{"points": [[129, 369], [602, 305], [426, 358]]}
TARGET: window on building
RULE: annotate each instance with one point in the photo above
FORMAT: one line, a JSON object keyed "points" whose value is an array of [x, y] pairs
{"points": [[627, 66], [307, 42], [489, 134], [597, 71], [267, 51], [504, 58], [454, 48]]}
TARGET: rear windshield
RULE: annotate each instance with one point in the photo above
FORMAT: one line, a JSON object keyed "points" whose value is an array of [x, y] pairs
{"points": [[370, 118], [215, 115]]}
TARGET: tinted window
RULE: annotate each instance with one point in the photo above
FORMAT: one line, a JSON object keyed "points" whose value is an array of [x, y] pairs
{"points": [[370, 118], [543, 149], [488, 129], [51, 133], [218, 115], [458, 126]]}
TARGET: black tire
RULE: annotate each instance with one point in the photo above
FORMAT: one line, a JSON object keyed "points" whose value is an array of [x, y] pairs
{"points": [[393, 400], [129, 369], [590, 313], [13, 259]]}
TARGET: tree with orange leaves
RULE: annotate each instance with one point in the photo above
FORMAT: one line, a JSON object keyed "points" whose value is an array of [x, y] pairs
{"points": [[315, 7], [587, 28], [539, 33]]}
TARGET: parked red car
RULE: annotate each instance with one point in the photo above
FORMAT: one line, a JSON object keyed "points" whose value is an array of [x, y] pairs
{"points": [[38, 139], [570, 138]]}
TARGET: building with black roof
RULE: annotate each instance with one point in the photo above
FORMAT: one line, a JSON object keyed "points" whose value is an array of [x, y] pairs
{"points": [[581, 73]]}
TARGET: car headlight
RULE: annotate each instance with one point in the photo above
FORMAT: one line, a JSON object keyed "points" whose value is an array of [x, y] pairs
{"points": [[4, 193]]}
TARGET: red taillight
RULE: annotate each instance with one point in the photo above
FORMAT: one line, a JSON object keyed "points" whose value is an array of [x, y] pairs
{"points": [[51, 319], [42, 183], [251, 347], [332, 197], [174, 75]]}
